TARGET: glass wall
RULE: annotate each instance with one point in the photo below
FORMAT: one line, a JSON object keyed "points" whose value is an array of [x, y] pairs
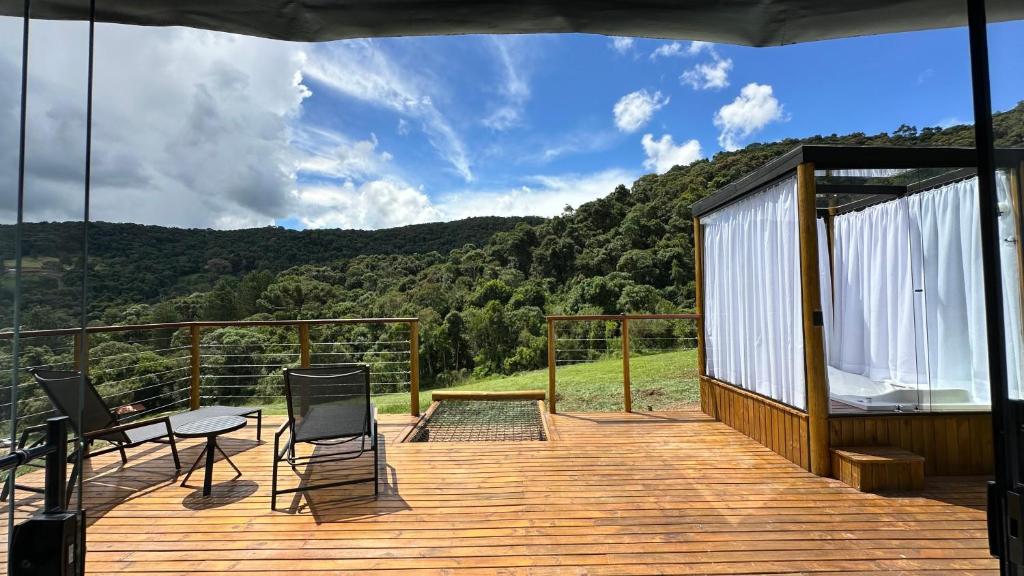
{"points": [[42, 234], [908, 330]]}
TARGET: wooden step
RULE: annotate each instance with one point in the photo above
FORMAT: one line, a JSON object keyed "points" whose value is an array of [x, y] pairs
{"points": [[878, 468]]}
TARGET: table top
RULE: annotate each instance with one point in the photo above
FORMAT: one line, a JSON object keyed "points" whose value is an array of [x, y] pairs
{"points": [[210, 426]]}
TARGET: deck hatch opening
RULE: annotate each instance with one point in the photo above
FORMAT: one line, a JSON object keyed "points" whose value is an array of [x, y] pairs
{"points": [[482, 421]]}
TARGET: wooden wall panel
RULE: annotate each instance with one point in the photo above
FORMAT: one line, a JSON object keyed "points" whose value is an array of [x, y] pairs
{"points": [[952, 444], [776, 426]]}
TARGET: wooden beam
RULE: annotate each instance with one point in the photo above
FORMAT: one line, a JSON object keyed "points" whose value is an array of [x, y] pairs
{"points": [[484, 395], [194, 376], [551, 365], [814, 346], [303, 345], [627, 392], [414, 367]]}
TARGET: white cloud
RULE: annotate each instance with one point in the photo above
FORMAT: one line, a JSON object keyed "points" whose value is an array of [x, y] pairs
{"points": [[634, 110], [663, 154], [697, 46], [328, 154], [622, 44], [361, 69], [384, 203], [191, 128], [403, 127], [542, 195], [515, 88], [752, 110], [667, 51], [712, 75]]}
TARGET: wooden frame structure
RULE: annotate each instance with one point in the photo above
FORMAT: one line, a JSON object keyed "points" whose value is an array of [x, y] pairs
{"points": [[951, 443]]}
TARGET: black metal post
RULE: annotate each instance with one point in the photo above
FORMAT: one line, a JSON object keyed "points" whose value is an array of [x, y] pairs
{"points": [[56, 465], [977, 24]]}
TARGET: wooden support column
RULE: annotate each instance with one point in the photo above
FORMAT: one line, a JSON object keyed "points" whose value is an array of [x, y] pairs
{"points": [[698, 274], [814, 346], [627, 399], [414, 368], [551, 366], [1016, 198], [707, 395], [303, 345], [194, 380]]}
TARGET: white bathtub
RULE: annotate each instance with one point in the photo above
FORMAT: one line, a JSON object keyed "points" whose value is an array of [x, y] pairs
{"points": [[865, 394]]}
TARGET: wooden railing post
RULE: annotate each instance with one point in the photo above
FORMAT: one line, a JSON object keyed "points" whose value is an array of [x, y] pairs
{"points": [[81, 353], [304, 345], [414, 367], [194, 351], [626, 384], [551, 365], [814, 346]]}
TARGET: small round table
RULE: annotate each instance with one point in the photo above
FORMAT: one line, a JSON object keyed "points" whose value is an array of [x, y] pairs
{"points": [[210, 428]]}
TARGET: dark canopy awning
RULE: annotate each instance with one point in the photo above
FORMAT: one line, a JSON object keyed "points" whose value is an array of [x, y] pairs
{"points": [[746, 22]]}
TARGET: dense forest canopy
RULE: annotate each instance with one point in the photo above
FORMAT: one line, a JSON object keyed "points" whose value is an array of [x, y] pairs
{"points": [[481, 286]]}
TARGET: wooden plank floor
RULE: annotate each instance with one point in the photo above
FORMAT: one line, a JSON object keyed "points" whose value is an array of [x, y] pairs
{"points": [[661, 493]]}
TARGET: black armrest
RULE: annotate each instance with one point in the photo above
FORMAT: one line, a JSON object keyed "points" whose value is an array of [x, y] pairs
{"points": [[279, 454], [130, 426]]}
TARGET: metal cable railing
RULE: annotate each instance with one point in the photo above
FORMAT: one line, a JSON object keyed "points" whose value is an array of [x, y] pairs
{"points": [[584, 339], [150, 369]]}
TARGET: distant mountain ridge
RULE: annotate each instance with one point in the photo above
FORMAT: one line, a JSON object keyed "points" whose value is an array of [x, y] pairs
{"points": [[143, 263]]}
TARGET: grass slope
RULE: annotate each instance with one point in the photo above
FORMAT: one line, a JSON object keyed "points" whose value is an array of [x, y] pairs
{"points": [[660, 382]]}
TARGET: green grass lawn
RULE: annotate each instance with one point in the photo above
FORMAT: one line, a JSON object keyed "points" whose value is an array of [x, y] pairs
{"points": [[659, 382]]}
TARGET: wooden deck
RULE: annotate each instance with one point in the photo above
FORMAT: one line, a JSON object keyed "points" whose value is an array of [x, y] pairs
{"points": [[658, 493]]}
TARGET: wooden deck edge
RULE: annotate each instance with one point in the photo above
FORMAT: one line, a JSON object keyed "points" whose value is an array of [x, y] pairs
{"points": [[411, 430], [550, 430], [483, 395]]}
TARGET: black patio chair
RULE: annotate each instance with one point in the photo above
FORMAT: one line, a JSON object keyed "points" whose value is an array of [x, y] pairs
{"points": [[327, 406], [97, 422]]}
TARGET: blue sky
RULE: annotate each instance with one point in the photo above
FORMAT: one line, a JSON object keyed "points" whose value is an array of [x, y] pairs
{"points": [[386, 132]]}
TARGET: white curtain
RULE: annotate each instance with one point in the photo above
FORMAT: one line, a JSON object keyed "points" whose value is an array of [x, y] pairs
{"points": [[874, 331], [752, 306], [909, 295], [825, 281]]}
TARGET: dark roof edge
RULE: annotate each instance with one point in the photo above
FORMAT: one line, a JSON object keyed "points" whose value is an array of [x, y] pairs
{"points": [[827, 157]]}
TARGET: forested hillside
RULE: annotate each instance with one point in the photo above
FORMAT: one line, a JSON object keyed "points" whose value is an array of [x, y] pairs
{"points": [[481, 287]]}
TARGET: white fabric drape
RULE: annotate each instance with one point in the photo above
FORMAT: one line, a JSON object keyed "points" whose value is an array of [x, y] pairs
{"points": [[874, 330], [909, 299], [752, 294], [825, 281]]}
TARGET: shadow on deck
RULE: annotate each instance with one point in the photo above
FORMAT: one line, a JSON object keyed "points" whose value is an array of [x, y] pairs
{"points": [[670, 492]]}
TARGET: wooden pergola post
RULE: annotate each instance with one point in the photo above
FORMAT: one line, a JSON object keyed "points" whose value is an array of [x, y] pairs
{"points": [[814, 345], [707, 398]]}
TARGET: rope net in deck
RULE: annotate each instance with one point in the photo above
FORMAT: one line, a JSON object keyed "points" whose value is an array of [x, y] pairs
{"points": [[483, 421]]}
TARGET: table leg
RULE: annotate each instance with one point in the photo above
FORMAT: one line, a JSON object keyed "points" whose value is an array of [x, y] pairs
{"points": [[211, 445], [192, 468]]}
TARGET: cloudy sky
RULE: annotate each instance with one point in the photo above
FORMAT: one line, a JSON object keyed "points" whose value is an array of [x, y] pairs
{"points": [[200, 129]]}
